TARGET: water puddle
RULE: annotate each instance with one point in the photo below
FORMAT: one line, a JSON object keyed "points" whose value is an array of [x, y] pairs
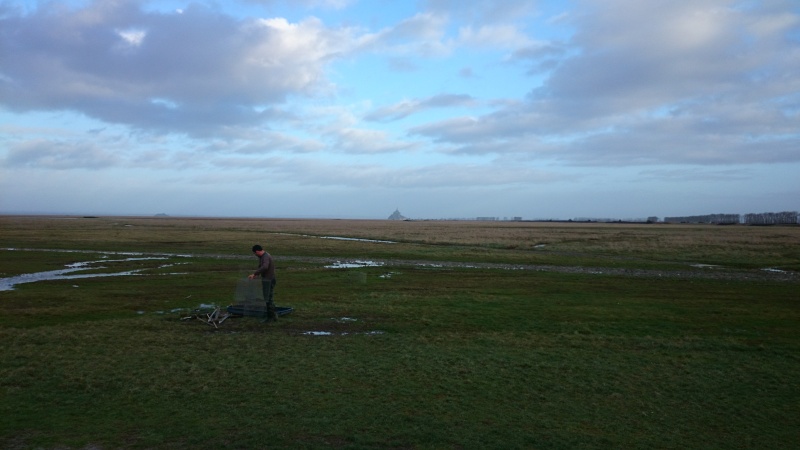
{"points": [[330, 333], [342, 333], [353, 264], [337, 238], [340, 238], [344, 319], [70, 272]]}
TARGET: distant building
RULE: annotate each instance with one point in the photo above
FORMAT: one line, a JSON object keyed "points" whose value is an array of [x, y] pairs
{"points": [[396, 215]]}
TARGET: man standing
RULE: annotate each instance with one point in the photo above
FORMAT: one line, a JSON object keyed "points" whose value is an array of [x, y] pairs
{"points": [[266, 270]]}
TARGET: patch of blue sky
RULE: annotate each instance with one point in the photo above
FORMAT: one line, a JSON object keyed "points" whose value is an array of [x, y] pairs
{"points": [[483, 77], [376, 15], [553, 20], [168, 6]]}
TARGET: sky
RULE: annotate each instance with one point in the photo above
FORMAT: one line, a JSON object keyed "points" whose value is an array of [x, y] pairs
{"points": [[441, 109]]}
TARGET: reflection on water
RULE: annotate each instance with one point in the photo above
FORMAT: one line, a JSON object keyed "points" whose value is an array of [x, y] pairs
{"points": [[7, 284]]}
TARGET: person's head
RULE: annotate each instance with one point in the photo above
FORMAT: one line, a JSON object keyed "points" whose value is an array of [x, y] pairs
{"points": [[257, 249]]}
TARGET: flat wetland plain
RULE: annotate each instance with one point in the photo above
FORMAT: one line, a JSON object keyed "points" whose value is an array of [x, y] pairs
{"points": [[410, 334]]}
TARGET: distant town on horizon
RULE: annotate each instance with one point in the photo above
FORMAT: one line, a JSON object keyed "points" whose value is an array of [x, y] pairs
{"points": [[767, 218]]}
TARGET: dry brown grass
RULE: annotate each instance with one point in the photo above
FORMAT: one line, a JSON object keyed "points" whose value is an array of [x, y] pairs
{"points": [[738, 244]]}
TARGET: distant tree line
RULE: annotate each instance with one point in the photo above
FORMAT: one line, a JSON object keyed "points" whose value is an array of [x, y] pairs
{"points": [[770, 218], [707, 218]]}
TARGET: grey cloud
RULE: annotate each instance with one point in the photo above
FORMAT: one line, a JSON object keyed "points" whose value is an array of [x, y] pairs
{"points": [[274, 142], [538, 50], [636, 56], [678, 83], [483, 12], [423, 35], [694, 138], [373, 176], [696, 174], [59, 155], [186, 72], [402, 65], [509, 123], [406, 108], [540, 57], [364, 141], [420, 26], [310, 4], [466, 72]]}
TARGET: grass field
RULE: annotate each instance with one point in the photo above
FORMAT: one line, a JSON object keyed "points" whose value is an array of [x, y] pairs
{"points": [[459, 335]]}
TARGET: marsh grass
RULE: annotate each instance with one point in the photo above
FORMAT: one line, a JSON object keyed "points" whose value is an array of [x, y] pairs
{"points": [[417, 356]]}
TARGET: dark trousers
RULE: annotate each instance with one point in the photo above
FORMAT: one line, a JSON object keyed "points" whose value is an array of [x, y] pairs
{"points": [[268, 288]]}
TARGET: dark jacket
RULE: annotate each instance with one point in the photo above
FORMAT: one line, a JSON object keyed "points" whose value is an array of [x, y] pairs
{"points": [[266, 267]]}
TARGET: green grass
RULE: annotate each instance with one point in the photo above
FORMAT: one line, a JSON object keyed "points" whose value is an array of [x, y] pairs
{"points": [[419, 357]]}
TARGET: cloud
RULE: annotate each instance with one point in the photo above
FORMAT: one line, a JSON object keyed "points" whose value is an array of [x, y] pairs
{"points": [[59, 155], [697, 174], [679, 83], [275, 142], [493, 36], [402, 65], [408, 107], [635, 56], [443, 94], [362, 141], [542, 57], [189, 72], [309, 4], [483, 12], [422, 35], [308, 172]]}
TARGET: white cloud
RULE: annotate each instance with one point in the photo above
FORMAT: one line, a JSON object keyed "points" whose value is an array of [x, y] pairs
{"points": [[359, 140], [423, 35], [484, 12], [407, 107], [684, 83], [214, 70], [656, 93], [59, 155], [133, 36], [377, 176], [309, 4], [493, 36]]}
